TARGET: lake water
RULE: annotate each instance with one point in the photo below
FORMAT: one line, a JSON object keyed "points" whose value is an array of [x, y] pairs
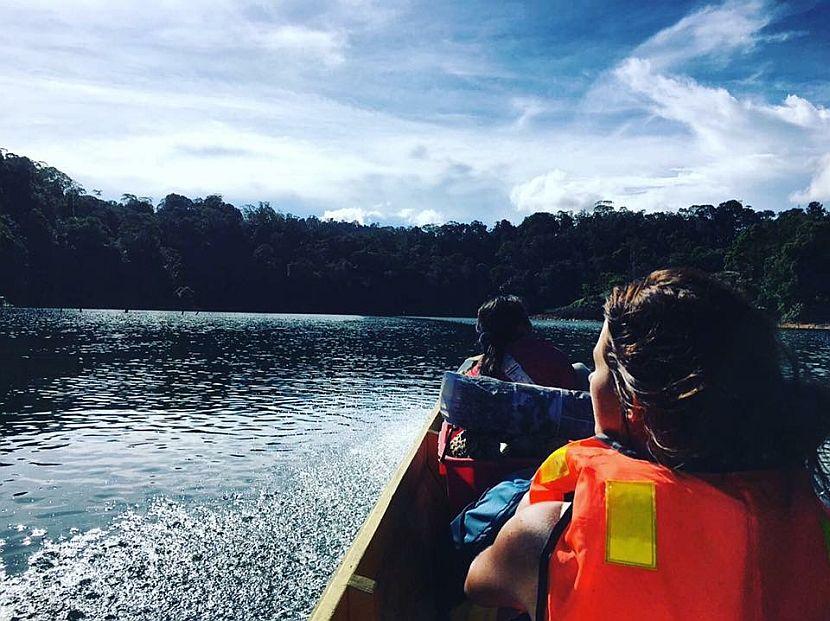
{"points": [[214, 466]]}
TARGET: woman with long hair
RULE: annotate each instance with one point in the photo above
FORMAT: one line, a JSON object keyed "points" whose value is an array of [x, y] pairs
{"points": [[511, 352], [694, 499]]}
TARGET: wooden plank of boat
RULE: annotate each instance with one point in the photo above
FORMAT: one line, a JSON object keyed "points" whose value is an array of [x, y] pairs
{"points": [[391, 570]]}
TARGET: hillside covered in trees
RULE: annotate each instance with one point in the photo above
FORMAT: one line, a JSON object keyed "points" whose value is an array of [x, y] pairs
{"points": [[60, 246]]}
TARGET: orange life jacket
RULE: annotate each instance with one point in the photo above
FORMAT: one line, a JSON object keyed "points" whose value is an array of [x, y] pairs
{"points": [[647, 542]]}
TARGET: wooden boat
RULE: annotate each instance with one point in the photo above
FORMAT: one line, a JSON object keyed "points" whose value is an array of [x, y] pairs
{"points": [[402, 565], [395, 569]]}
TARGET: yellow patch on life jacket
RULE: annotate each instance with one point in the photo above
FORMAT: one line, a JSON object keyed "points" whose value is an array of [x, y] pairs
{"points": [[555, 467], [631, 523]]}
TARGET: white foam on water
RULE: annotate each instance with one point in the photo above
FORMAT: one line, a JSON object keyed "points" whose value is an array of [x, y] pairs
{"points": [[266, 554]]}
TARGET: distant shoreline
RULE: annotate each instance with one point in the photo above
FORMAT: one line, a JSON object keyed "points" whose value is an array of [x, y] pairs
{"points": [[804, 326], [535, 317], [554, 317], [783, 326]]}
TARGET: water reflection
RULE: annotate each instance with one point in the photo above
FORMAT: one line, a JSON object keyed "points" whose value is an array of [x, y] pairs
{"points": [[157, 465]]}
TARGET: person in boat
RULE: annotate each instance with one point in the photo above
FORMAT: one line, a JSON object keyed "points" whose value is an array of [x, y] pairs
{"points": [[693, 500], [511, 353]]}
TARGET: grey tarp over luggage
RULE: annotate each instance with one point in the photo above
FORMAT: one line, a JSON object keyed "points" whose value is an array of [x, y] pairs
{"points": [[509, 410]]}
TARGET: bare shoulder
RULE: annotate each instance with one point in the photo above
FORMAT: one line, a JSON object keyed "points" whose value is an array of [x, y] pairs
{"points": [[507, 573], [529, 531]]}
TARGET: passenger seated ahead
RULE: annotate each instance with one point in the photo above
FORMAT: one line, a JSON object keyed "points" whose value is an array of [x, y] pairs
{"points": [[693, 500], [511, 353]]}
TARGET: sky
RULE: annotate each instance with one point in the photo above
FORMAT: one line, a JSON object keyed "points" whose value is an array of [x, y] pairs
{"points": [[425, 112]]}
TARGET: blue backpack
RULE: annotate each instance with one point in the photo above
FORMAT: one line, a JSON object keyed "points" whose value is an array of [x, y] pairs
{"points": [[477, 525]]}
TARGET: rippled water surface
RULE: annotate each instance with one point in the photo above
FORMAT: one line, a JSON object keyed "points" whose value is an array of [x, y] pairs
{"points": [[158, 465]]}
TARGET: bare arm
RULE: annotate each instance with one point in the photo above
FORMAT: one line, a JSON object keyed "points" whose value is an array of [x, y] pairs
{"points": [[507, 573]]}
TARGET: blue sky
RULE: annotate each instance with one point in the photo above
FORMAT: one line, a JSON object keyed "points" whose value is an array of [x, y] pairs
{"points": [[417, 112]]}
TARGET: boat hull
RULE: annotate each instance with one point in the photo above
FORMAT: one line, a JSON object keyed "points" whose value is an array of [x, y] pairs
{"points": [[399, 564]]}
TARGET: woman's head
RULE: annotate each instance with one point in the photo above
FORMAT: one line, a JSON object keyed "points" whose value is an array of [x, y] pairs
{"points": [[501, 321], [695, 374]]}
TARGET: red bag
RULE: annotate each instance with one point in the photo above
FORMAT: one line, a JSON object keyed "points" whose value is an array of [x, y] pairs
{"points": [[467, 478]]}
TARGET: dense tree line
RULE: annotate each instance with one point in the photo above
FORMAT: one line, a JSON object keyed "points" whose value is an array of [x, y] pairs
{"points": [[60, 246]]}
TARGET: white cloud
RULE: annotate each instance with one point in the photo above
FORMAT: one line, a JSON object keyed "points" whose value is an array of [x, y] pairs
{"points": [[421, 217], [711, 145], [706, 109], [528, 108], [725, 127], [801, 112], [558, 190], [710, 113], [328, 46], [819, 188], [712, 31], [408, 216], [353, 214]]}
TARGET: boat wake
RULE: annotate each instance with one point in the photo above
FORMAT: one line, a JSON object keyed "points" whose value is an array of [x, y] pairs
{"points": [[266, 554]]}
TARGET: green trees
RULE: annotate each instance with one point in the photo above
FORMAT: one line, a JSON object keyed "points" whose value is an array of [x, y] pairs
{"points": [[784, 263], [62, 247]]}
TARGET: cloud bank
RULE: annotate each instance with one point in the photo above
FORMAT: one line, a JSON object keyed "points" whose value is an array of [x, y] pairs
{"points": [[710, 143], [412, 113]]}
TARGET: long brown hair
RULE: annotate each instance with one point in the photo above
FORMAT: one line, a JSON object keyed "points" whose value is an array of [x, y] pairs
{"points": [[501, 321], [717, 389]]}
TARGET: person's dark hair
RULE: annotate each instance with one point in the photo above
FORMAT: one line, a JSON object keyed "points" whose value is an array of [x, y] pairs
{"points": [[717, 389], [501, 321]]}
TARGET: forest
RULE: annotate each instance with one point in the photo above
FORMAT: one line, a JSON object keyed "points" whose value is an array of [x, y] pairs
{"points": [[63, 247]]}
